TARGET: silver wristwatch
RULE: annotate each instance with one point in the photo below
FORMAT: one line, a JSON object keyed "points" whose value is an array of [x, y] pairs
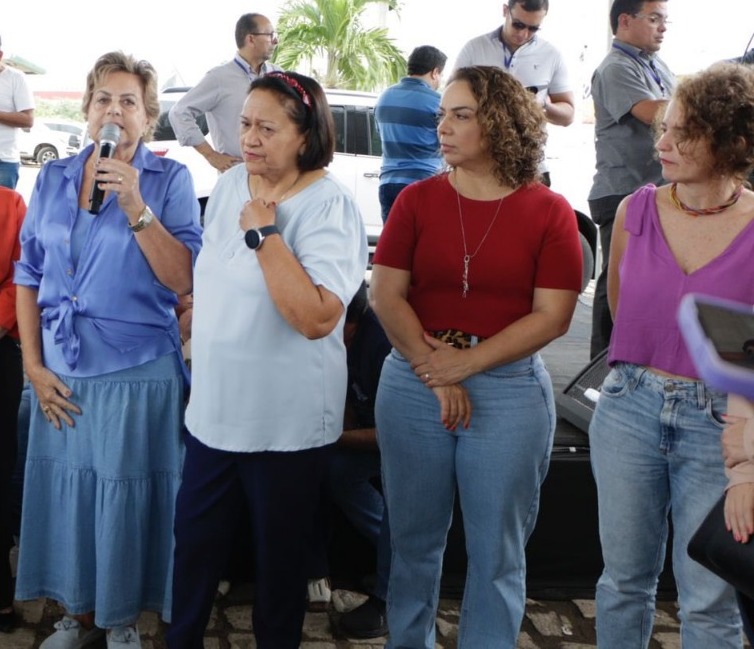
{"points": [[145, 218]]}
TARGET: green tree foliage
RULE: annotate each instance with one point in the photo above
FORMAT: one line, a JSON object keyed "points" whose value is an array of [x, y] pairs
{"points": [[65, 108], [331, 34]]}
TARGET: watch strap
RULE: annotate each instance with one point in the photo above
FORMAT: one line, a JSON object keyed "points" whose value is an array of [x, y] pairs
{"points": [[145, 218], [256, 236]]}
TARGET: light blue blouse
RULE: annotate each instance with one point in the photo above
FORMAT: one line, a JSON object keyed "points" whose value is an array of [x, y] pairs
{"points": [[107, 310], [257, 383]]}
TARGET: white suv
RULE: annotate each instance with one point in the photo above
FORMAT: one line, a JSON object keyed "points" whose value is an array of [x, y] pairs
{"points": [[357, 151], [50, 139]]}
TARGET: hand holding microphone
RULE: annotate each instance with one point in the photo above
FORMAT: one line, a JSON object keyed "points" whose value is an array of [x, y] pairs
{"points": [[108, 140]]}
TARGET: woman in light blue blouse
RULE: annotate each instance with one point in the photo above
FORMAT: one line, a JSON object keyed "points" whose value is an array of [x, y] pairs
{"points": [[100, 342], [283, 251]]}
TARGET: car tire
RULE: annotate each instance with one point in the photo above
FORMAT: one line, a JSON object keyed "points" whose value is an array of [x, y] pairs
{"points": [[45, 153]]}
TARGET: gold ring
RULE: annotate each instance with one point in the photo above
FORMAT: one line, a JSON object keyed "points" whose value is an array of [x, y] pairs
{"points": [[120, 180], [46, 409]]}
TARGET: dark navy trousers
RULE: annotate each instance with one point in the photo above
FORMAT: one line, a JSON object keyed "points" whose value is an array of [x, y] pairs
{"points": [[281, 491]]}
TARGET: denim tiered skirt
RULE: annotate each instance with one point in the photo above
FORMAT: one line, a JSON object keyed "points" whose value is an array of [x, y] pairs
{"points": [[99, 497]]}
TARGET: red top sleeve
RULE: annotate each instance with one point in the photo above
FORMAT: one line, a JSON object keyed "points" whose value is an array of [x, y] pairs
{"points": [[12, 212]]}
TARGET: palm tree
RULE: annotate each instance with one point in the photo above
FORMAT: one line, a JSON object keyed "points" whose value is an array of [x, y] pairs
{"points": [[332, 32]]}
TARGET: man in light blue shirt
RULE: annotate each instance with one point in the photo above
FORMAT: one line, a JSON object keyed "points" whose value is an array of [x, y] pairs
{"points": [[221, 93], [406, 115]]}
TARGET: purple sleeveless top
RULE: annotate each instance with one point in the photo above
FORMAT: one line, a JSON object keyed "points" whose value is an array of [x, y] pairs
{"points": [[646, 329]]}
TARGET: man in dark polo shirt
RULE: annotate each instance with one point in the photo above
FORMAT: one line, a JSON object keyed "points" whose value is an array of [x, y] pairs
{"points": [[630, 88]]}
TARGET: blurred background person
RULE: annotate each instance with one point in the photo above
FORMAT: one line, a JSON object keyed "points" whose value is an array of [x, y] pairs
{"points": [[220, 94], [284, 249], [96, 298], [517, 47], [630, 89], [406, 116], [477, 269], [12, 211], [655, 433], [354, 472], [16, 112]]}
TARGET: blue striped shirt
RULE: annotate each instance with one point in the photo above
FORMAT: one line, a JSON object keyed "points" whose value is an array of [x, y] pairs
{"points": [[406, 119]]}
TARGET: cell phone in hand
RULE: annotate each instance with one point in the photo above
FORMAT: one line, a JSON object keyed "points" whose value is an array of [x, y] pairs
{"points": [[719, 335]]}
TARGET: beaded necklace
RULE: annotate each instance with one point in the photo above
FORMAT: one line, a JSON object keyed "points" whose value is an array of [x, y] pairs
{"points": [[705, 211]]}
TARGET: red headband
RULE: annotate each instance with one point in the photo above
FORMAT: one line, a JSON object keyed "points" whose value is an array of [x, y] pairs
{"points": [[295, 85]]}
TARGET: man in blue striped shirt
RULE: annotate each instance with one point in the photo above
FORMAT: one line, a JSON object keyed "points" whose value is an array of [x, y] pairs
{"points": [[406, 119]]}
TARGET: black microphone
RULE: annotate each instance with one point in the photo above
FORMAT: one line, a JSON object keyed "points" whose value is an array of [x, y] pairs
{"points": [[108, 140]]}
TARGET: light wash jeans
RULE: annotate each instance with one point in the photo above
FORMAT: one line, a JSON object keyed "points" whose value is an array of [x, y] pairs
{"points": [[497, 464], [655, 449]]}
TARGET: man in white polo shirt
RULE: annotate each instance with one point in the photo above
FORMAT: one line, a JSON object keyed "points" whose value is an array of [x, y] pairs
{"points": [[16, 111], [517, 48]]}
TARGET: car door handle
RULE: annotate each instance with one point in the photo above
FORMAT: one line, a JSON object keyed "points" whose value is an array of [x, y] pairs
{"points": [[371, 174]]}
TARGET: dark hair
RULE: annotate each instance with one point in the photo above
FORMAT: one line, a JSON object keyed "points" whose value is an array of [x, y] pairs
{"points": [[358, 305], [717, 105], [530, 5], [620, 7], [306, 105], [512, 123], [246, 25], [143, 70], [424, 59]]}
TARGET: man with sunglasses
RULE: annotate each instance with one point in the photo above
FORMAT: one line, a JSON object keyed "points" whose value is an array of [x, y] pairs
{"points": [[517, 47], [221, 93], [629, 88]]}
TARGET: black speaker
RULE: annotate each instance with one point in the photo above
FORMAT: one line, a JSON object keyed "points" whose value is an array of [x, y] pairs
{"points": [[572, 403]]}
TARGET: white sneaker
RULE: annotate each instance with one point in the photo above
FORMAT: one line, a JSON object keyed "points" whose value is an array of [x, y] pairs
{"points": [[69, 634], [123, 636], [223, 588], [319, 594]]}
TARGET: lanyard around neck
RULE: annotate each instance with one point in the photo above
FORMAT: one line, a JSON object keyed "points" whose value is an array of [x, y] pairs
{"points": [[647, 65], [246, 71]]}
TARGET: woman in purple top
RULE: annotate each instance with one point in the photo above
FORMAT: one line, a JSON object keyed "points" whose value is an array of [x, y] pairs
{"points": [[100, 343], [655, 434]]}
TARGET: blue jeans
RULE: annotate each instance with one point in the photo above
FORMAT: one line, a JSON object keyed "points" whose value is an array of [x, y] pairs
{"points": [[497, 464], [9, 174], [655, 449], [350, 479], [387, 193]]}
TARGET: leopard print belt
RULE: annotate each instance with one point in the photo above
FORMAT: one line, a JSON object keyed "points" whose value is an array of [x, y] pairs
{"points": [[456, 338]]}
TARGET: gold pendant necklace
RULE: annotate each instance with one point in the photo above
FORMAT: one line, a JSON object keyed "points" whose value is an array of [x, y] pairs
{"points": [[465, 287], [283, 196]]}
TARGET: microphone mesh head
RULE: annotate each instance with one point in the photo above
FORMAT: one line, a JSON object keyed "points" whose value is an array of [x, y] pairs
{"points": [[109, 133]]}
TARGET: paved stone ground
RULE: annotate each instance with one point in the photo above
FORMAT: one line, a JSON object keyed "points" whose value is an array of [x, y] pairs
{"points": [[548, 625]]}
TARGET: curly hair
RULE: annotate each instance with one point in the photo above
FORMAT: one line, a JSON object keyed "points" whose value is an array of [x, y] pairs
{"points": [[717, 105], [511, 120], [120, 62]]}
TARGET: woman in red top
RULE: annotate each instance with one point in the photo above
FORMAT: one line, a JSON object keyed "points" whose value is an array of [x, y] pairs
{"points": [[476, 270]]}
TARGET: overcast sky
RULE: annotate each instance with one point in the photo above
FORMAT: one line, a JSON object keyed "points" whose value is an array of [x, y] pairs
{"points": [[66, 37]]}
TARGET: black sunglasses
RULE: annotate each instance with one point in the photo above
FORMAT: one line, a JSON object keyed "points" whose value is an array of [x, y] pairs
{"points": [[521, 26]]}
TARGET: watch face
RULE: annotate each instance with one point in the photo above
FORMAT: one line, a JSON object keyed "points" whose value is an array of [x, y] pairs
{"points": [[253, 239]]}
